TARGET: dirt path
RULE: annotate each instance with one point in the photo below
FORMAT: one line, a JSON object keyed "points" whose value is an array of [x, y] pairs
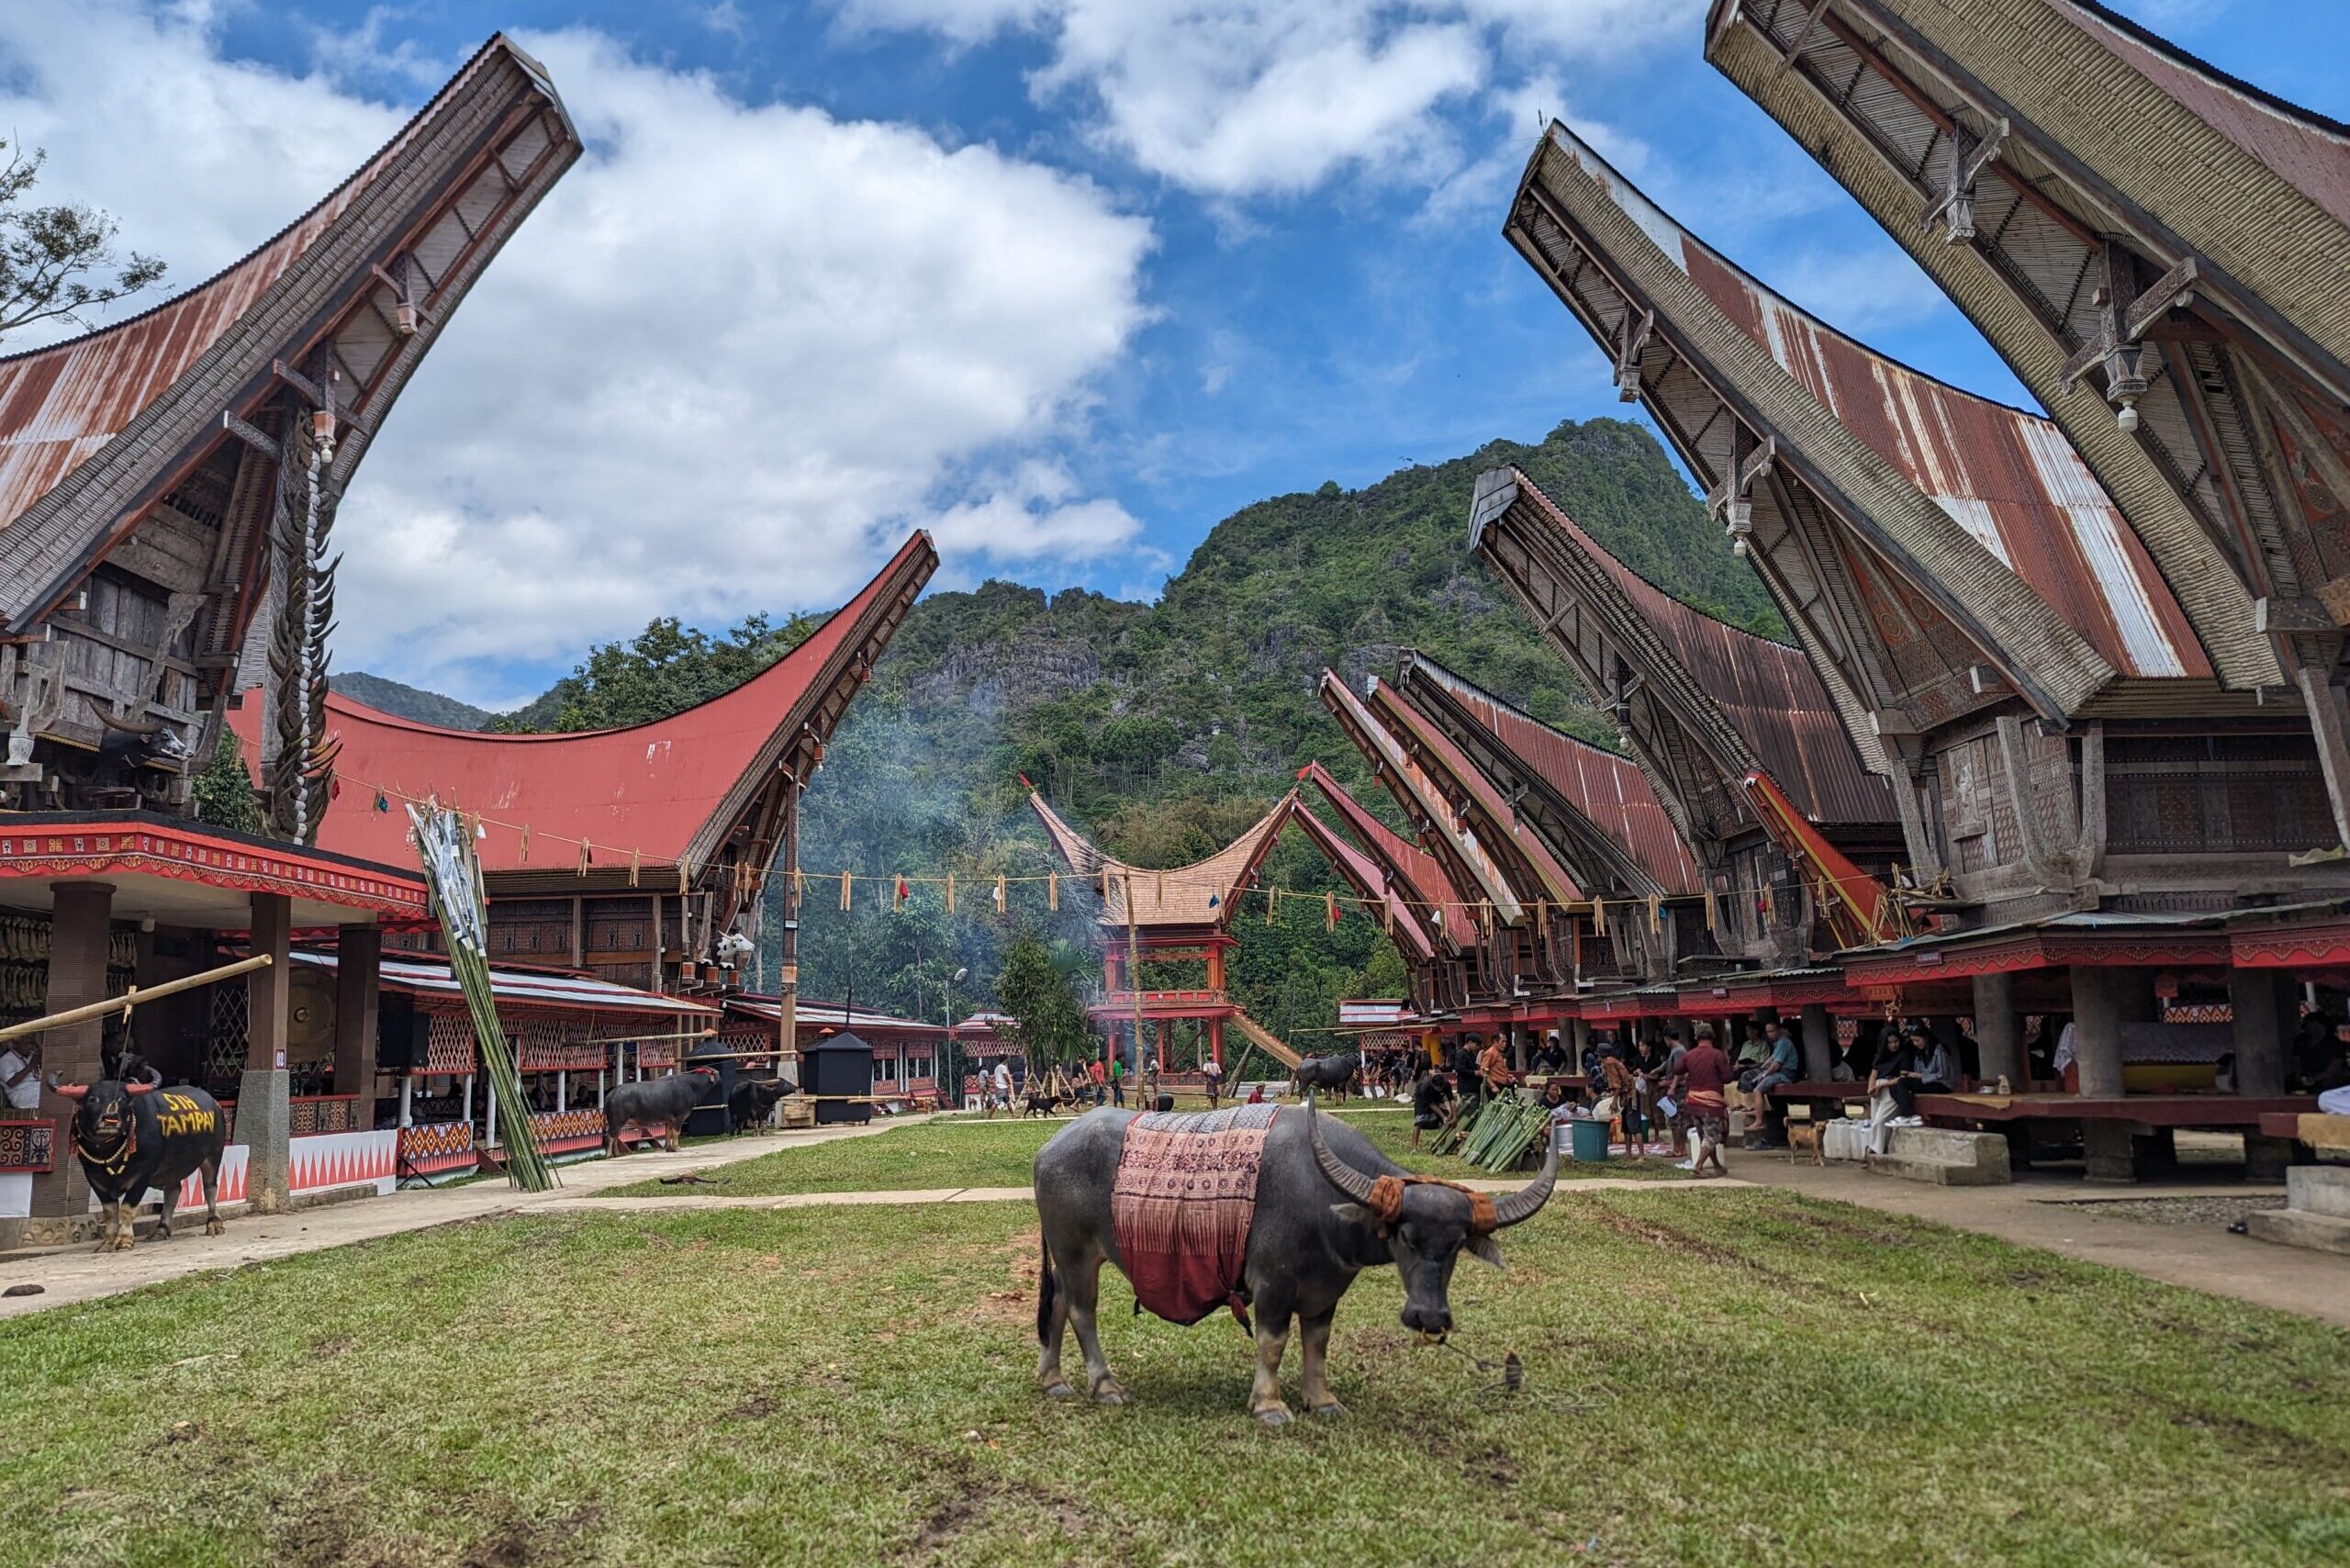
{"points": [[2067, 1216]]}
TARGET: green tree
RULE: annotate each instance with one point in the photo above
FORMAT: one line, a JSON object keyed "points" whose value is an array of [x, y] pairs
{"points": [[48, 255], [664, 670], [222, 793], [1048, 1022]]}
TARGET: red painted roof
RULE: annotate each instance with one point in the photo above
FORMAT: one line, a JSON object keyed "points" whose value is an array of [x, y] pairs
{"points": [[1765, 690], [1370, 880], [1421, 873], [1608, 788], [60, 404], [651, 788]]}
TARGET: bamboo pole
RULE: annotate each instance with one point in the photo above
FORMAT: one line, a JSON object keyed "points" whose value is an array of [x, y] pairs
{"points": [[112, 1004]]}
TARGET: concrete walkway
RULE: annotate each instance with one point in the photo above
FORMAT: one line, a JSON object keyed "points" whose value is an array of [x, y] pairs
{"points": [[2069, 1216], [79, 1273]]}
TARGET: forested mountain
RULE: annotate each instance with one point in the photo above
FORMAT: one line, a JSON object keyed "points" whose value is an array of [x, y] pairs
{"points": [[1162, 729], [412, 701]]}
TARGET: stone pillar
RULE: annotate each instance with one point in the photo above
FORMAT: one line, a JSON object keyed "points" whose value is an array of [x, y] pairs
{"points": [[1819, 1043], [1998, 1029], [2266, 1014], [2103, 998], [358, 966], [81, 920], [1578, 1042], [264, 1115]]}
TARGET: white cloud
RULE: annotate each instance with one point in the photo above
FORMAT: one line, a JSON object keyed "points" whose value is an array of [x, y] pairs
{"points": [[731, 359], [1241, 99]]}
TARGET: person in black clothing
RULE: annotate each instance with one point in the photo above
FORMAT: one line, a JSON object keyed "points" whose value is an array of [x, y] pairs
{"points": [[1431, 1101], [1470, 1087]]}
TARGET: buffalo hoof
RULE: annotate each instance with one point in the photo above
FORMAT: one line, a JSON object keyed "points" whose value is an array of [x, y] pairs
{"points": [[1331, 1407], [1274, 1415], [214, 1227], [163, 1232], [1108, 1393], [1059, 1391]]}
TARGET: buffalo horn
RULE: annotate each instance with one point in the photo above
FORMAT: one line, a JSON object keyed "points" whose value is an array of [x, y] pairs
{"points": [[1528, 1200], [1342, 1176], [153, 1082], [71, 1091]]}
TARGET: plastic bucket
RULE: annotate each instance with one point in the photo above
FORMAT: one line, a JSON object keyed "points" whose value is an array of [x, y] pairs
{"points": [[1588, 1141]]}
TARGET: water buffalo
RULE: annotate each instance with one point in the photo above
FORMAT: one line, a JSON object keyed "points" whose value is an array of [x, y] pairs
{"points": [[1336, 1073], [752, 1100], [656, 1102], [1329, 1205], [130, 1136]]}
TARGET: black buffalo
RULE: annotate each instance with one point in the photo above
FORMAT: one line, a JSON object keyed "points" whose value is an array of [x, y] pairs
{"points": [[1334, 1073], [1326, 1210], [752, 1100], [134, 1135], [656, 1102]]}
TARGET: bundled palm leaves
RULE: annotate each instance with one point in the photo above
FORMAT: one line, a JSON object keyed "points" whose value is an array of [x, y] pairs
{"points": [[1505, 1132], [302, 775], [453, 873]]}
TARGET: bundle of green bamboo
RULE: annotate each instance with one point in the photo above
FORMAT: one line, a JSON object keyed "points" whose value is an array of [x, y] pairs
{"points": [[1504, 1132], [453, 876]]}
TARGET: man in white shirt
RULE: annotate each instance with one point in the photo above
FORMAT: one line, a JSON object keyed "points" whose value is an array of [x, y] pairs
{"points": [[1001, 1098], [20, 1078]]}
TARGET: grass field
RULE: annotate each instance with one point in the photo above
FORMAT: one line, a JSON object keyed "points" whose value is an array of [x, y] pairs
{"points": [[1715, 1378], [1002, 1153]]}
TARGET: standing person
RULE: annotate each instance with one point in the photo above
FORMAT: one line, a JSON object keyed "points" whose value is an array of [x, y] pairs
{"points": [[1466, 1082], [1621, 1084], [1001, 1098], [20, 1076], [1492, 1066], [1099, 1076], [1704, 1108], [1118, 1078], [1212, 1071], [1431, 1100]]}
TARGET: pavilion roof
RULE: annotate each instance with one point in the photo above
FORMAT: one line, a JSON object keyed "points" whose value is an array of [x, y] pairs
{"points": [[1983, 513], [1606, 786], [1419, 876], [95, 429], [674, 792], [1200, 895], [1747, 700], [1363, 871]]}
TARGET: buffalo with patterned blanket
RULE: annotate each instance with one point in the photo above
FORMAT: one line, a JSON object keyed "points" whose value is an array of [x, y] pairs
{"points": [[1273, 1215]]}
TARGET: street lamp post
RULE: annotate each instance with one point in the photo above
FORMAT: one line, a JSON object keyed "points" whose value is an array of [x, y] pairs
{"points": [[953, 1054]]}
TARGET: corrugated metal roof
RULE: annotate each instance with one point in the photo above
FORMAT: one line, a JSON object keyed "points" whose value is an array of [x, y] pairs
{"points": [[813, 1014], [1608, 788], [62, 403], [1766, 690], [1198, 895], [651, 789], [1422, 874], [1426, 801], [529, 988], [1507, 836], [1370, 880], [2008, 477]]}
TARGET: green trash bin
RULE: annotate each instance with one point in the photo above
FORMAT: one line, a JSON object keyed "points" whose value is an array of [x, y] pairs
{"points": [[1588, 1141]]}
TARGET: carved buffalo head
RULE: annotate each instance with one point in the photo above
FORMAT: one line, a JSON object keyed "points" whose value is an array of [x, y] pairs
{"points": [[1427, 1223]]}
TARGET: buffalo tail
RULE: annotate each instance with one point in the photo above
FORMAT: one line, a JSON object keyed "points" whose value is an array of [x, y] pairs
{"points": [[1047, 1287]]}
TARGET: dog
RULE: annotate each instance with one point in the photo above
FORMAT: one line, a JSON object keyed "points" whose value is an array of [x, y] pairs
{"points": [[1802, 1137], [1041, 1102]]}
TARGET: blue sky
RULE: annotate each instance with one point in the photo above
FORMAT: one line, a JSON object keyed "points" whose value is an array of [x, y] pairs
{"points": [[1065, 280]]}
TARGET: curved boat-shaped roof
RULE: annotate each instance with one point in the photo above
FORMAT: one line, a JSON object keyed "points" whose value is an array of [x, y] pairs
{"points": [[94, 427], [2009, 479], [1550, 881], [1606, 787], [1179, 896], [672, 792], [1369, 878], [1425, 885]]}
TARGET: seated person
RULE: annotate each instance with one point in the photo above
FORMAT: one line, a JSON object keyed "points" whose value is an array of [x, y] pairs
{"points": [[1937, 1064], [1780, 1067]]}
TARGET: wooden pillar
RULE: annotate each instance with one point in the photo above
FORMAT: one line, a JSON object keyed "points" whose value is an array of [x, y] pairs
{"points": [[81, 924], [358, 969], [1997, 1030], [264, 1113], [1215, 1040], [1819, 1043]]}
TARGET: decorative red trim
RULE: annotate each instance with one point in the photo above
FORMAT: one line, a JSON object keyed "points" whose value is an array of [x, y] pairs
{"points": [[2292, 947], [2043, 950], [94, 850]]}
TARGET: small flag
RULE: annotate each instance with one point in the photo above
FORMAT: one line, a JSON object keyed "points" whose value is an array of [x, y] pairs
{"points": [[1599, 916], [586, 858], [1215, 898], [902, 892], [846, 894], [1160, 892], [383, 802], [799, 885], [481, 830], [1329, 912], [526, 843], [950, 892], [1656, 914], [1713, 913], [1052, 889], [634, 865]]}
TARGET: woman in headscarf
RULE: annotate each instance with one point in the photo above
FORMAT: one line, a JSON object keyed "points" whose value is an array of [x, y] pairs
{"points": [[1896, 1067]]}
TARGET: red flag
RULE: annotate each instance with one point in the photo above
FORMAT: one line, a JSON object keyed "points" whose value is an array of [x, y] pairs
{"points": [[905, 892]]}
